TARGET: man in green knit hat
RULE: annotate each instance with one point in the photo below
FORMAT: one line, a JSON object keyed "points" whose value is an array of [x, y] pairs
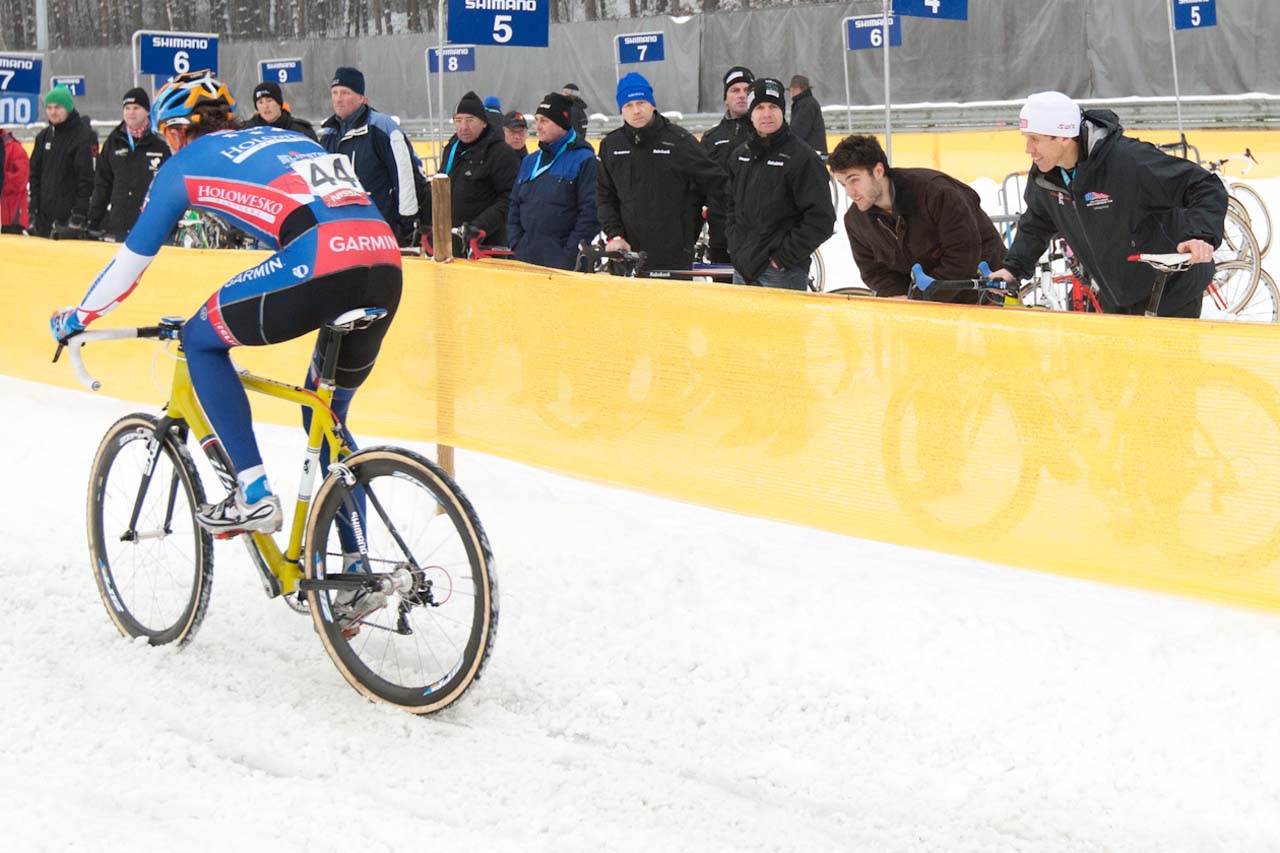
{"points": [[61, 165]]}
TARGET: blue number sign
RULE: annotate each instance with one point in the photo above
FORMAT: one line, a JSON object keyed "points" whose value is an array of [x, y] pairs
{"points": [[639, 47], [865, 31], [955, 10], [456, 59], [19, 107], [1194, 14], [505, 23], [280, 71], [20, 72], [74, 84], [167, 54]]}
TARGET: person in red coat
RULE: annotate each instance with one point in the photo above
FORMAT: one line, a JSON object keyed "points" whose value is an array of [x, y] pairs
{"points": [[13, 184]]}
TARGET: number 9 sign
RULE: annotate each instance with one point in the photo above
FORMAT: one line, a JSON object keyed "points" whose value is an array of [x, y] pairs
{"points": [[281, 70]]}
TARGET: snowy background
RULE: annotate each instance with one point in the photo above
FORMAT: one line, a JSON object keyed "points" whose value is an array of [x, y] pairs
{"points": [[665, 678]]}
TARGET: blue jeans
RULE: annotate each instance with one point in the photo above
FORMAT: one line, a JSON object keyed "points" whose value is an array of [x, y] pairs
{"points": [[796, 278]]}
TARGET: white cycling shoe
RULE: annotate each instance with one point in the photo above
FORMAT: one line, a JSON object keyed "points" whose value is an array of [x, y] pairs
{"points": [[231, 516]]}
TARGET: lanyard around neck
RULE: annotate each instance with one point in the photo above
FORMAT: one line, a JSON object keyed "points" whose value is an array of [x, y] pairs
{"points": [[538, 168]]}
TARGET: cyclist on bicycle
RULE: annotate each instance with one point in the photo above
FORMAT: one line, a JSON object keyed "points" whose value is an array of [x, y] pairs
{"points": [[335, 253]]}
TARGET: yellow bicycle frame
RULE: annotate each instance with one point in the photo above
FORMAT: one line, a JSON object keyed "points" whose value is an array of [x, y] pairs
{"points": [[183, 405]]}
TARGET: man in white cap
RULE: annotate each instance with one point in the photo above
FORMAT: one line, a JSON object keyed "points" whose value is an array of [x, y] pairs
{"points": [[1111, 196]]}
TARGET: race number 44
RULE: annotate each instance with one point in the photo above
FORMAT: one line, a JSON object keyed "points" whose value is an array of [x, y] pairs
{"points": [[332, 179]]}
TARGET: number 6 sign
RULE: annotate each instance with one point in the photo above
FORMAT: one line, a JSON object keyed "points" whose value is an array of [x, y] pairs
{"points": [[165, 54]]}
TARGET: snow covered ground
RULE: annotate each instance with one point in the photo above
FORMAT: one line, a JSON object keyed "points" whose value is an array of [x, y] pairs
{"points": [[665, 678]]}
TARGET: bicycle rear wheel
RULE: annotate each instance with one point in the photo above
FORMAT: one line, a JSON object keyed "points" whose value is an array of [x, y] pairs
{"points": [[430, 641], [1259, 216], [817, 272], [152, 563], [1239, 243], [1237, 294]]}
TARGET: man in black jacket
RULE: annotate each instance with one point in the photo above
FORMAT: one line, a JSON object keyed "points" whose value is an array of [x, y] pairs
{"points": [[481, 168], [578, 115], [128, 162], [806, 115], [1111, 196], [652, 179], [272, 111], [61, 165], [901, 217], [780, 207], [720, 142]]}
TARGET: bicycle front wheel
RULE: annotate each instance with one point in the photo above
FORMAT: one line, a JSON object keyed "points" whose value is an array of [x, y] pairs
{"points": [[153, 564], [425, 646]]}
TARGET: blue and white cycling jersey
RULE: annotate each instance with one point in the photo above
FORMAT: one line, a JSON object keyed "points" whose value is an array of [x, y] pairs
{"points": [[276, 185]]}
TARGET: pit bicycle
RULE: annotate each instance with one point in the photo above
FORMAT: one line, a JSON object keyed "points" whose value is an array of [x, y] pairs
{"points": [[424, 566]]}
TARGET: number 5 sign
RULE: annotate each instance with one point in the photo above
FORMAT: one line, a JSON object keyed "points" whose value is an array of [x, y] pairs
{"points": [[1194, 14], [504, 23]]}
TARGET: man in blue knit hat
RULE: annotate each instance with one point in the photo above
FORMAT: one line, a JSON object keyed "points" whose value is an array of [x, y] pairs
{"points": [[652, 180]]}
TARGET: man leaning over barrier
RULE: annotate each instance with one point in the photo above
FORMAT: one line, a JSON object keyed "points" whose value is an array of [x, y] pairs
{"points": [[1111, 196], [901, 217]]}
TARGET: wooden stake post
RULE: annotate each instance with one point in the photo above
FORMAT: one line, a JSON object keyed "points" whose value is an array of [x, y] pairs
{"points": [[442, 243]]}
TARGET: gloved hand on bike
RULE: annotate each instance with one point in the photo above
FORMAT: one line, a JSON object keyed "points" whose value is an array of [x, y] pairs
{"points": [[65, 323]]}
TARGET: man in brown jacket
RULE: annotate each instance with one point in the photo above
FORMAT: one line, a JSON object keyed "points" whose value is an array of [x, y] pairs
{"points": [[901, 217]]}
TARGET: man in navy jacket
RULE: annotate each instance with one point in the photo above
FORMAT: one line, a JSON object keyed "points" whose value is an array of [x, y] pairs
{"points": [[553, 204], [384, 160]]}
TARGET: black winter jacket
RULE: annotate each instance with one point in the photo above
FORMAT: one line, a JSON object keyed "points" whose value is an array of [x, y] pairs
{"points": [[122, 177], [807, 122], [1127, 196], [287, 121], [650, 189], [578, 116], [62, 172], [937, 222], [780, 203], [720, 142], [480, 179]]}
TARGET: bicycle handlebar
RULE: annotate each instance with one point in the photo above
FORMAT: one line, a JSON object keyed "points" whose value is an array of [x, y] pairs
{"points": [[77, 341], [596, 253], [925, 284]]}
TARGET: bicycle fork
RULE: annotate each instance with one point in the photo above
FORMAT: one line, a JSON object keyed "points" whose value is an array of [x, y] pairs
{"points": [[155, 442]]}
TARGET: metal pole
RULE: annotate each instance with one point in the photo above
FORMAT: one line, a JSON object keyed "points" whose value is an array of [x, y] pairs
{"points": [[137, 36], [848, 99], [42, 25], [426, 57], [440, 85], [1177, 95], [617, 58], [888, 121]]}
